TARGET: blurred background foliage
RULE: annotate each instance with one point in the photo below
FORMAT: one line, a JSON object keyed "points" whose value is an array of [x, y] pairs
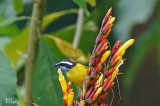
{"points": [[138, 19]]}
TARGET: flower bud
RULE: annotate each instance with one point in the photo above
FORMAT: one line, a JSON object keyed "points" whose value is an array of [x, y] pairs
{"points": [[109, 84], [105, 56], [105, 19], [88, 92], [106, 82], [70, 99], [125, 46], [92, 94], [116, 47], [97, 93], [94, 61], [109, 12], [62, 81], [95, 71], [101, 48], [108, 72], [65, 100], [102, 98]]}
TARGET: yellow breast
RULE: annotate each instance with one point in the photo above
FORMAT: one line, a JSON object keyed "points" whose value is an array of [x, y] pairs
{"points": [[77, 74]]}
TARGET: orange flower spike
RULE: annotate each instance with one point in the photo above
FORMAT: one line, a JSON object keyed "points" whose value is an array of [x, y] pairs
{"points": [[97, 93], [62, 81], [125, 46], [70, 99]]}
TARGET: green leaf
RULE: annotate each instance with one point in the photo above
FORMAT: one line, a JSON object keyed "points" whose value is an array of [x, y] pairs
{"points": [[18, 5], [46, 87], [67, 49], [48, 19], [89, 32], [128, 16], [67, 33], [7, 80], [19, 44], [82, 4], [11, 29], [3, 42], [13, 19], [92, 2]]}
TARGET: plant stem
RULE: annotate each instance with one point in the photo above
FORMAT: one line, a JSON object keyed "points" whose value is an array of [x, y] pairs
{"points": [[78, 28], [32, 52]]}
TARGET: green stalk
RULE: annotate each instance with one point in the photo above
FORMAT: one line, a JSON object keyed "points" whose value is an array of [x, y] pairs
{"points": [[32, 52]]}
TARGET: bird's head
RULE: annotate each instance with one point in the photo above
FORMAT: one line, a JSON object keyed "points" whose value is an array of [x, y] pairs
{"points": [[65, 64]]}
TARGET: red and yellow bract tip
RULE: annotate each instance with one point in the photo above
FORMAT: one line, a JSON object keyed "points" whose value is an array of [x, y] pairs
{"points": [[67, 90], [62, 81]]}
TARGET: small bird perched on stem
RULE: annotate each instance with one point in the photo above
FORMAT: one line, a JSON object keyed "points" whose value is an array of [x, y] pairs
{"points": [[75, 72]]}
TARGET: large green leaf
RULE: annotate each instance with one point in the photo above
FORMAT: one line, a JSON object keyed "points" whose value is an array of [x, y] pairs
{"points": [[89, 32], [129, 13], [48, 19], [92, 2], [18, 5], [17, 46], [12, 20], [7, 81], [67, 33], [67, 49], [10, 29], [46, 87], [82, 4], [3, 42], [19, 43]]}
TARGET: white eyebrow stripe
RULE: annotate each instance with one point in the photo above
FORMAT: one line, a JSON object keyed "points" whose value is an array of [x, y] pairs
{"points": [[66, 62]]}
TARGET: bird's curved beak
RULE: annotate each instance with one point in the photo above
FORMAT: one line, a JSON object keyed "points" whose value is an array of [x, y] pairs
{"points": [[55, 65]]}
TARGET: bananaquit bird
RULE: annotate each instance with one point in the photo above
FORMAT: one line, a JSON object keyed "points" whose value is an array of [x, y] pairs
{"points": [[75, 72]]}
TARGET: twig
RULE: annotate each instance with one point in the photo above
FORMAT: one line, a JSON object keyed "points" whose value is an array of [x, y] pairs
{"points": [[32, 52], [78, 28]]}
